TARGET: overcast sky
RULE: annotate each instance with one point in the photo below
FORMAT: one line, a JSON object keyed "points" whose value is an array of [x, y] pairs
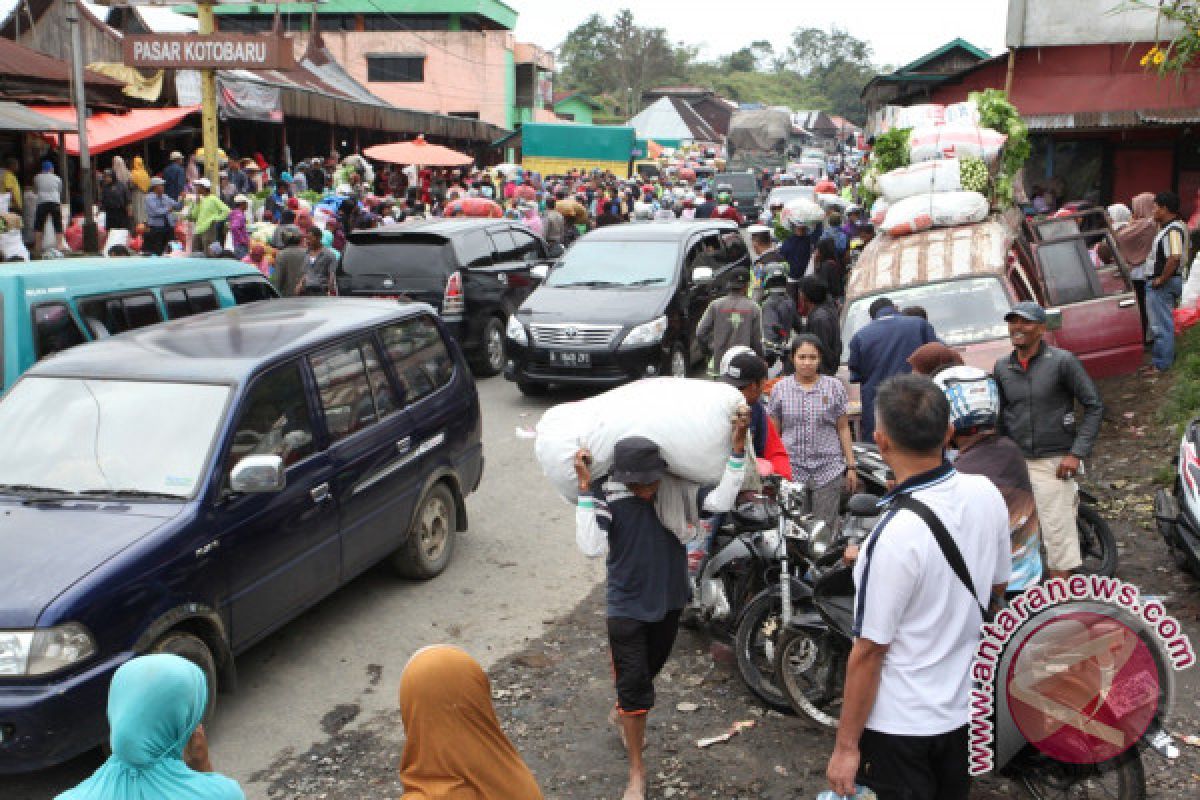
{"points": [[899, 30]]}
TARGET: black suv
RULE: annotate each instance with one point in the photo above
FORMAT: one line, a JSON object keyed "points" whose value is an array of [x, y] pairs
{"points": [[623, 304], [475, 272], [747, 198]]}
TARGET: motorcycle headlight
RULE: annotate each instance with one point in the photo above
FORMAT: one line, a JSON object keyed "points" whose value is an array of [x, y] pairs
{"points": [[647, 333], [516, 331], [820, 538], [42, 652]]}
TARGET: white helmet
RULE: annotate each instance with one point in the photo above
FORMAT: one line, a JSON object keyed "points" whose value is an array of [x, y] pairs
{"points": [[643, 211], [973, 395]]}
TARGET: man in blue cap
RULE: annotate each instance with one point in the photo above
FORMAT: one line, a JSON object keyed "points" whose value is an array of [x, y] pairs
{"points": [[1039, 388]]}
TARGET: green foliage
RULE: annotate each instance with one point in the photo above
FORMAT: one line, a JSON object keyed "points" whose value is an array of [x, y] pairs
{"points": [[1183, 397], [997, 113], [823, 70], [891, 150], [312, 197], [621, 59]]}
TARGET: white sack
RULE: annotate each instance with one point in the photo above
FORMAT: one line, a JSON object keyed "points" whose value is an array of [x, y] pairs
{"points": [[954, 141], [879, 211], [1191, 288], [928, 176], [935, 210], [918, 116], [688, 419], [13, 246]]}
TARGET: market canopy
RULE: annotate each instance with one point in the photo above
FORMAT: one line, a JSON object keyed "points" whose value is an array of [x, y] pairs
{"points": [[420, 152], [110, 131], [16, 117]]}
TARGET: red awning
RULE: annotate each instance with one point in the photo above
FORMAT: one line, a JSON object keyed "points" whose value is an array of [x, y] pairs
{"points": [[110, 131]]}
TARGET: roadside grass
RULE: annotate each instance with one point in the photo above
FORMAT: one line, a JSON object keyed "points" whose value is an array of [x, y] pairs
{"points": [[1182, 402]]}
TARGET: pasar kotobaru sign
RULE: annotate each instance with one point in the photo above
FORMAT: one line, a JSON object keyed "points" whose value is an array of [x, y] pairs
{"points": [[212, 51]]}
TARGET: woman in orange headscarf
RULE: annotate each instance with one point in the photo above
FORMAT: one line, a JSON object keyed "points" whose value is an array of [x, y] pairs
{"points": [[455, 749]]}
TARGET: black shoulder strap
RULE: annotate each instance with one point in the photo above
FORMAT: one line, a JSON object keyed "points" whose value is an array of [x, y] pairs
{"points": [[945, 542]]}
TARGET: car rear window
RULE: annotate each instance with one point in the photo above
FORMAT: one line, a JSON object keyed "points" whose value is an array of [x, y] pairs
{"points": [[740, 182], [419, 255]]}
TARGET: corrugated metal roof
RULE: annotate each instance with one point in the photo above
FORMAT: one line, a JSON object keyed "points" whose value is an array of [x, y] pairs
{"points": [[16, 117], [1099, 120], [941, 254], [19, 61]]}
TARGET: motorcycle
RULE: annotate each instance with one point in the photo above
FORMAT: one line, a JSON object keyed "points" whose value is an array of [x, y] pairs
{"points": [[1177, 513], [770, 611], [725, 578], [1097, 544], [812, 649], [811, 668]]}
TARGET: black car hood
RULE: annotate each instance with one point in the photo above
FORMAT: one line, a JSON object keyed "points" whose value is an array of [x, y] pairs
{"points": [[596, 305], [48, 547]]}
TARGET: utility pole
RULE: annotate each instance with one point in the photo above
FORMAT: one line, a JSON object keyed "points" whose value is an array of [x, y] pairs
{"points": [[91, 238], [206, 26]]}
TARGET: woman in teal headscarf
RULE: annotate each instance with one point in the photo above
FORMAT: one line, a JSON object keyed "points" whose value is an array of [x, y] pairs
{"points": [[155, 705]]}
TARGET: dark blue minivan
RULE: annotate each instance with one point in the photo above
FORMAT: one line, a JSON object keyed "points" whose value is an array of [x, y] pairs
{"points": [[190, 487]]}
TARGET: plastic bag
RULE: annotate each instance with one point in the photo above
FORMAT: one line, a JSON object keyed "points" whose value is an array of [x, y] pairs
{"points": [[928, 176], [954, 141], [688, 419], [934, 210], [1185, 317], [12, 246]]}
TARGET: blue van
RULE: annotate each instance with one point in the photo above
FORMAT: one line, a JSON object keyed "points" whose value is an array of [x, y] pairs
{"points": [[190, 487], [48, 306]]}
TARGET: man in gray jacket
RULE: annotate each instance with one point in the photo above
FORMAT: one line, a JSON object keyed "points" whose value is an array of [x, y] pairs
{"points": [[1039, 388], [731, 320]]}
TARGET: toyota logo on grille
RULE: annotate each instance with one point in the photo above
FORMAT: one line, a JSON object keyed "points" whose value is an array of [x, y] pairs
{"points": [[571, 333]]}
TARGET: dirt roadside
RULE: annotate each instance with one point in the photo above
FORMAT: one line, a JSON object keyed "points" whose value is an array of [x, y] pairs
{"points": [[553, 698]]}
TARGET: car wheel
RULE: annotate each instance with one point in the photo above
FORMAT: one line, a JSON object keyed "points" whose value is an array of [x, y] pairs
{"points": [[430, 538], [677, 363], [532, 389], [192, 647], [490, 359]]}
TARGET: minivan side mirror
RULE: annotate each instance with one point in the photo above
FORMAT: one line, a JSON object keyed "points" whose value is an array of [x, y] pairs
{"points": [[540, 271], [702, 275], [1053, 319], [257, 474]]}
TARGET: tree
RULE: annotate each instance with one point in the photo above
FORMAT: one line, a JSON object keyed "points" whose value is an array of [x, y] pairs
{"points": [[621, 59], [835, 61]]}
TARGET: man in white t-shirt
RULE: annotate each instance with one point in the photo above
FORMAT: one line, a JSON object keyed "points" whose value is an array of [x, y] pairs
{"points": [[903, 728]]}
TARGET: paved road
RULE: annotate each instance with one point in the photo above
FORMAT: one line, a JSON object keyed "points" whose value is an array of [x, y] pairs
{"points": [[515, 569]]}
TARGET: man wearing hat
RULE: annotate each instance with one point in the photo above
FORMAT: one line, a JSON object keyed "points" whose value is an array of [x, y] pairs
{"points": [[747, 373], [159, 210], [731, 320], [208, 213], [175, 176], [641, 516], [1039, 388]]}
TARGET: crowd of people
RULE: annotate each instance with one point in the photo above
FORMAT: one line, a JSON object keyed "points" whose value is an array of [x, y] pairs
{"points": [[985, 462]]}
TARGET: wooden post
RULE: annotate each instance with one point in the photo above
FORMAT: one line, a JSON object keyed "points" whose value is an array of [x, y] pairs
{"points": [[206, 23]]}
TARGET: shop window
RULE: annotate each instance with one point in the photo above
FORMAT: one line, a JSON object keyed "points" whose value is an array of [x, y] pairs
{"points": [[395, 69]]}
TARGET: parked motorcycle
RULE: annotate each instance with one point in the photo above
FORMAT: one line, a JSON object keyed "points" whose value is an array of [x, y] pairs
{"points": [[1097, 544], [1177, 513], [727, 577], [770, 612], [811, 670]]}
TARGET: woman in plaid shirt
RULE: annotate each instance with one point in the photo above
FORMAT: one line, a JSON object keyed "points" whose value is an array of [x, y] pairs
{"points": [[810, 411]]}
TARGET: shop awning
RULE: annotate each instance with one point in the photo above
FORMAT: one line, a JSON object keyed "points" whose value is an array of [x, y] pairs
{"points": [[110, 131], [16, 117]]}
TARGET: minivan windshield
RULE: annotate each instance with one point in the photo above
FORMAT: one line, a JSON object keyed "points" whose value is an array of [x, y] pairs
{"points": [[108, 436], [617, 264], [961, 312]]}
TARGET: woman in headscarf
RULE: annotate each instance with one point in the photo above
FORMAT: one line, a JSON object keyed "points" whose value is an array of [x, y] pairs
{"points": [[159, 751], [1135, 240], [139, 185], [454, 748], [259, 258]]}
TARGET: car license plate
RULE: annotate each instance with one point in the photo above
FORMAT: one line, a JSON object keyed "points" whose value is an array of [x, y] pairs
{"points": [[566, 359]]}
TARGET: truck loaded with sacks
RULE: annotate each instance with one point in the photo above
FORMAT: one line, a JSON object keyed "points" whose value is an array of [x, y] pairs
{"points": [[759, 139]]}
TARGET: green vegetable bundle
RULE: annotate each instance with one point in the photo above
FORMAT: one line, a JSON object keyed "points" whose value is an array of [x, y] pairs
{"points": [[891, 150], [973, 174], [997, 113]]}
